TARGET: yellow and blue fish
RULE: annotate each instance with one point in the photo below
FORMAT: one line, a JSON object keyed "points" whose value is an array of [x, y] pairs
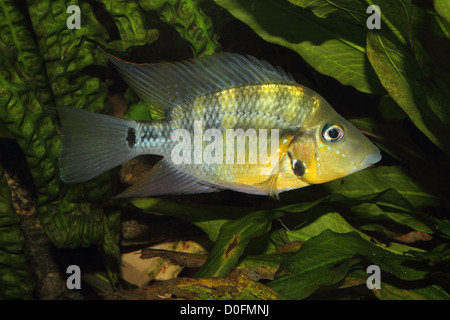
{"points": [[219, 93]]}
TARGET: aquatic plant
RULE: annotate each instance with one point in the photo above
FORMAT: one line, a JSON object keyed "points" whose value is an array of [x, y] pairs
{"points": [[315, 242]]}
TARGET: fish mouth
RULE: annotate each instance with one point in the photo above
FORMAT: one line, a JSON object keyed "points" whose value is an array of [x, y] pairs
{"points": [[369, 159], [372, 158]]}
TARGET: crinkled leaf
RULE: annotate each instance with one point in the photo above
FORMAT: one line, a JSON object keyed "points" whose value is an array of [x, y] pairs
{"points": [[190, 22], [130, 22], [15, 278]]}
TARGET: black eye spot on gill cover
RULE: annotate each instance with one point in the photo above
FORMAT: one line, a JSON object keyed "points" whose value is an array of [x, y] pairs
{"points": [[297, 166], [131, 137]]}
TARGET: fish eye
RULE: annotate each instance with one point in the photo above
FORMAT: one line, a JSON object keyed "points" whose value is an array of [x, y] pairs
{"points": [[332, 132]]}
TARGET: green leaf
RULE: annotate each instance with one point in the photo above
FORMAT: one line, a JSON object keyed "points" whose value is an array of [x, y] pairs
{"points": [[440, 254], [378, 179], [138, 112], [318, 220], [130, 22], [334, 247], [233, 238], [333, 47], [302, 284], [391, 292], [323, 218], [443, 8], [396, 15], [386, 206], [352, 10], [15, 279], [189, 21], [399, 74], [326, 258], [398, 290]]}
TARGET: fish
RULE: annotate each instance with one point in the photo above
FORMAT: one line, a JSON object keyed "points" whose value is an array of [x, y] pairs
{"points": [[226, 121]]}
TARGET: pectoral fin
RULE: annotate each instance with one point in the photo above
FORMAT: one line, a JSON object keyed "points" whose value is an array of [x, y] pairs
{"points": [[269, 186], [165, 179]]}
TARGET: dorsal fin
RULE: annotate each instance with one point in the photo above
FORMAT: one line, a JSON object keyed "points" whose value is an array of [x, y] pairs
{"points": [[164, 85]]}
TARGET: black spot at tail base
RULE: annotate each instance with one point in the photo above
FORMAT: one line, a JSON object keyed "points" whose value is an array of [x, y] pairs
{"points": [[131, 137]]}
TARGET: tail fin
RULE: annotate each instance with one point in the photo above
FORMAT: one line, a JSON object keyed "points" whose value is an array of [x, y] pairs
{"points": [[92, 143]]}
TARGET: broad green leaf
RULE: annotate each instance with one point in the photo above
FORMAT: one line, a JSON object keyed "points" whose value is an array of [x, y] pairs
{"points": [[235, 235], [391, 292], [371, 211], [440, 254], [258, 267], [355, 11], [328, 257], [397, 290], [302, 284], [233, 238], [331, 248], [318, 221], [443, 8], [399, 74], [396, 15], [378, 179], [333, 47], [385, 206]]}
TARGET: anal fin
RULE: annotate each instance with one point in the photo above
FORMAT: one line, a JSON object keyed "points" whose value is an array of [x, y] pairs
{"points": [[164, 179]]}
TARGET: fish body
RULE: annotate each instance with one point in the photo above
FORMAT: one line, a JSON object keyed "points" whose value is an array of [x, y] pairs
{"points": [[230, 122]]}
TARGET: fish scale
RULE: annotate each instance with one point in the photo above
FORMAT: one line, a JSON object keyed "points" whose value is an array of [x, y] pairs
{"points": [[256, 106]]}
